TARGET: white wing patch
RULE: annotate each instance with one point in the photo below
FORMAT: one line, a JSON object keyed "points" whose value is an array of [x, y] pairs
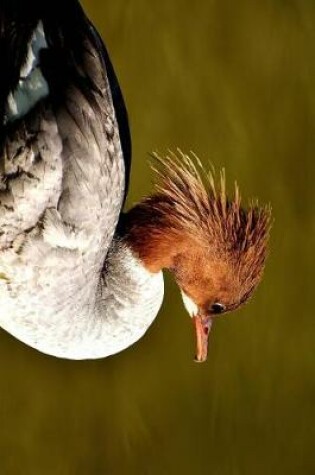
{"points": [[32, 85]]}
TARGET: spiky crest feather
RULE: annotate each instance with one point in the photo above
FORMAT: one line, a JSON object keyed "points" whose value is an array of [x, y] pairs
{"points": [[188, 202], [203, 208]]}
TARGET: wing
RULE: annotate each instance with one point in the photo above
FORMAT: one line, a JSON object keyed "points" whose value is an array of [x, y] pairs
{"points": [[119, 105], [64, 134]]}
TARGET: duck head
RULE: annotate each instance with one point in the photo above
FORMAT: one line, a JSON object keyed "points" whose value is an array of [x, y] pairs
{"points": [[215, 248]]}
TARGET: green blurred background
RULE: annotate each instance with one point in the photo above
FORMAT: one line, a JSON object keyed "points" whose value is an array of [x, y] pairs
{"points": [[233, 81]]}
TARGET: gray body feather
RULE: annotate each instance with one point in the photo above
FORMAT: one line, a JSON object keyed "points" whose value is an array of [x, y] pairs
{"points": [[68, 286]]}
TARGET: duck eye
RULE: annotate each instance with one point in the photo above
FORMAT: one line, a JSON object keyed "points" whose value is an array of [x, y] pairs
{"points": [[217, 308]]}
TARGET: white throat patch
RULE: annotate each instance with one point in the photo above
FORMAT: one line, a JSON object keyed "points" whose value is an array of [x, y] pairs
{"points": [[32, 86], [189, 304]]}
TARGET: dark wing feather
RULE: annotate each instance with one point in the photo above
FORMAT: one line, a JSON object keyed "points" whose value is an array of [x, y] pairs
{"points": [[87, 129], [119, 106]]}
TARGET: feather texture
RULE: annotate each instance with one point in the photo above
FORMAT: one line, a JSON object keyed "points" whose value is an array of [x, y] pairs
{"points": [[67, 286]]}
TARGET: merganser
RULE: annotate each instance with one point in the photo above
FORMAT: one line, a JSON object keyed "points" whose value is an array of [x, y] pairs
{"points": [[79, 278]]}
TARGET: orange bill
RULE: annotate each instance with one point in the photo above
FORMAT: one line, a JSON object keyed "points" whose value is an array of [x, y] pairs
{"points": [[203, 327]]}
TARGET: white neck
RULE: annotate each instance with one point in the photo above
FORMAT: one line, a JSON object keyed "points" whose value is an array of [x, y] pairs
{"points": [[128, 301], [83, 318]]}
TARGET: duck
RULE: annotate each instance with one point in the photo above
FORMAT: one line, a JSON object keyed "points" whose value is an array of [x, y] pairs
{"points": [[80, 278]]}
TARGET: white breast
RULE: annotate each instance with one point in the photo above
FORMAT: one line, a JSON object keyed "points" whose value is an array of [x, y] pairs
{"points": [[54, 303]]}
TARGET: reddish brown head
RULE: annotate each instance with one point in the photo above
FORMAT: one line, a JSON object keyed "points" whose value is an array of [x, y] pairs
{"points": [[215, 248]]}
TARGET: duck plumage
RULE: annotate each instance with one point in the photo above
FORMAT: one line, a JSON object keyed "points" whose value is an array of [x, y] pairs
{"points": [[78, 278]]}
